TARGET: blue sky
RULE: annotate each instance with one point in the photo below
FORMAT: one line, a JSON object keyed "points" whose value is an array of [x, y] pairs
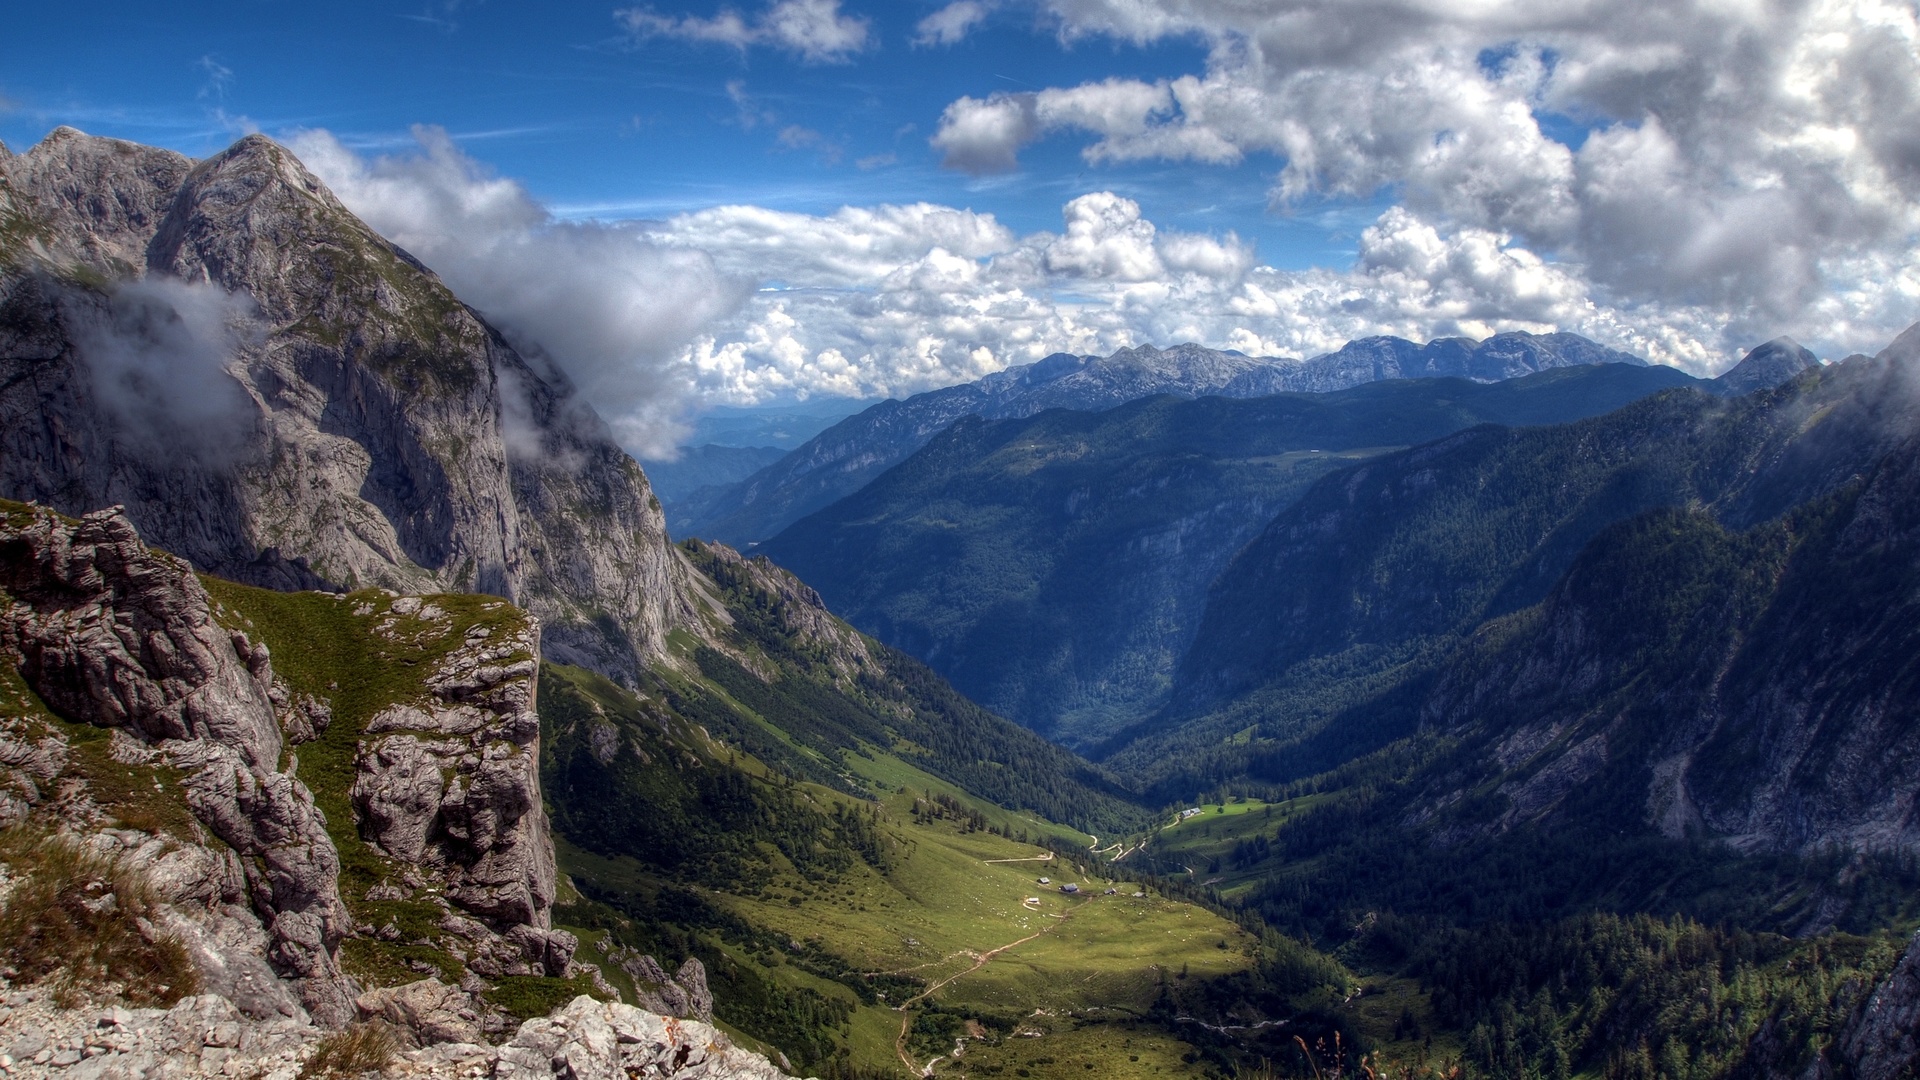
{"points": [[597, 124], [781, 199]]}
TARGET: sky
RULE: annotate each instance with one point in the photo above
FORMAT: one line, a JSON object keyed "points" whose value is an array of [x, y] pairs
{"points": [[692, 204]]}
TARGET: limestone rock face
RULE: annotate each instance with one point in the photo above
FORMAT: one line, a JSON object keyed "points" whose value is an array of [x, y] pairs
{"points": [[282, 397], [450, 786], [684, 994], [112, 634], [592, 1040]]}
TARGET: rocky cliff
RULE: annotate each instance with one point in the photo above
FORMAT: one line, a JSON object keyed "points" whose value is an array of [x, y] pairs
{"points": [[421, 765], [284, 398]]}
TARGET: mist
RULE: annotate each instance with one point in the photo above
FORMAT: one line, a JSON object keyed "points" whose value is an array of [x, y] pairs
{"points": [[612, 309]]}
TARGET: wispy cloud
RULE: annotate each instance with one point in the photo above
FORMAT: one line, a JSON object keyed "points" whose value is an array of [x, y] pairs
{"points": [[951, 24], [748, 112], [219, 77], [797, 137], [814, 30]]}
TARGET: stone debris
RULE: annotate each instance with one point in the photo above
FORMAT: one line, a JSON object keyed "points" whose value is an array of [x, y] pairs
{"points": [[208, 1036]]}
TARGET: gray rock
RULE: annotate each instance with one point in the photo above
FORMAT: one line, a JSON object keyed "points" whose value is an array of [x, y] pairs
{"points": [[110, 633], [1883, 1041], [430, 1011], [592, 1040], [368, 438]]}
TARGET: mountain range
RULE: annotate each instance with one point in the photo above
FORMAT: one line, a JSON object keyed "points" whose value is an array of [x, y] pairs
{"points": [[843, 458], [1055, 568], [1476, 709]]}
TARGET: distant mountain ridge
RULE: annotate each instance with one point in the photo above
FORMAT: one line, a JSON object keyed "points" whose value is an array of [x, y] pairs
{"points": [[1055, 567], [845, 457]]}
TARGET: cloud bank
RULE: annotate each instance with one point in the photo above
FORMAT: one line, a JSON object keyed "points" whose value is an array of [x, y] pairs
{"points": [[1756, 163], [1678, 179], [893, 300]]}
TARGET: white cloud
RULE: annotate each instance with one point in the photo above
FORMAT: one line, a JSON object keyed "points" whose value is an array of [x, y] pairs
{"points": [[612, 308], [951, 24], [1746, 160], [986, 136], [894, 300], [814, 29]]}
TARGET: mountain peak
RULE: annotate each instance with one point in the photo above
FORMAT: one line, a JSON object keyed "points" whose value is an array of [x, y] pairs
{"points": [[1905, 348], [1768, 365]]}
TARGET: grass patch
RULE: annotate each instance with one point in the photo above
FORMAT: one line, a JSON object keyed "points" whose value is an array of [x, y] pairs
{"points": [[72, 920], [528, 996], [362, 1048], [146, 797]]}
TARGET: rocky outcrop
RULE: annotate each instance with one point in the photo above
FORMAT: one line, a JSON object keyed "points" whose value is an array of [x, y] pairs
{"points": [[444, 783], [282, 397], [591, 1040], [205, 1036], [684, 994], [790, 606], [447, 785], [109, 633]]}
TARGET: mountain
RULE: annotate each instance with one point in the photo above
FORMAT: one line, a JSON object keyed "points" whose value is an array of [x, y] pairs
{"points": [[1766, 366], [1682, 622], [781, 426], [1376, 566], [282, 397], [707, 466], [1056, 567], [703, 474], [846, 456]]}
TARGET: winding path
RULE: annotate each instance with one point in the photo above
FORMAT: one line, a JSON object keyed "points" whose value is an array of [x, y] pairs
{"points": [[980, 960]]}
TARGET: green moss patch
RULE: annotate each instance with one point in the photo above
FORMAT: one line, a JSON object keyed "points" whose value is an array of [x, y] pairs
{"points": [[528, 996]]}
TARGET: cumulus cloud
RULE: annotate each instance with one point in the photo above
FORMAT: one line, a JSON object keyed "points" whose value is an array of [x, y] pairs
{"points": [[1752, 160], [815, 30], [612, 308], [160, 360]]}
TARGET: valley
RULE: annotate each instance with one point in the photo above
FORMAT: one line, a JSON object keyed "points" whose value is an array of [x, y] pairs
{"points": [[1477, 708]]}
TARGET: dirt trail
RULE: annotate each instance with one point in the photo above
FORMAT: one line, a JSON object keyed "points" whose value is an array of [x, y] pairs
{"points": [[980, 960], [1048, 857]]}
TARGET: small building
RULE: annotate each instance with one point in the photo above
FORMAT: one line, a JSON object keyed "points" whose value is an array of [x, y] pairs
{"points": [[1046, 881], [1069, 888], [1031, 900], [1111, 892]]}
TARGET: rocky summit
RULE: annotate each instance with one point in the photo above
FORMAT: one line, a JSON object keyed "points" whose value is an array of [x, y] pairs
{"points": [[281, 396]]}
